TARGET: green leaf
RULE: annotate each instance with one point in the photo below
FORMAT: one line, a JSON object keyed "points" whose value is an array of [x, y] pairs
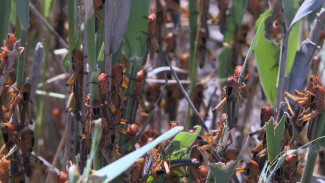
{"points": [[180, 144], [113, 170], [47, 7], [293, 44], [222, 172], [291, 8], [100, 58], [22, 9], [135, 37], [225, 63], [307, 7], [65, 62], [250, 50], [274, 137], [4, 19], [267, 55], [234, 19], [96, 136]]}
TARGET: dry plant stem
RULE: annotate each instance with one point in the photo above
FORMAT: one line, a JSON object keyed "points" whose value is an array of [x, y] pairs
{"points": [[283, 57], [303, 59], [35, 74], [107, 39], [186, 97], [12, 57], [40, 17], [56, 157]]}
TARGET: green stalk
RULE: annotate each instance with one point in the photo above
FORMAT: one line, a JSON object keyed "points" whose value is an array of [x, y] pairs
{"points": [[312, 154], [130, 91], [4, 24], [21, 60], [96, 136], [92, 61], [4, 19], [91, 49], [195, 25], [135, 45], [72, 29], [22, 9], [40, 112]]}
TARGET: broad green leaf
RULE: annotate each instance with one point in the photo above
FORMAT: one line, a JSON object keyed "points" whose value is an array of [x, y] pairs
{"points": [[267, 55], [4, 19], [307, 7], [181, 143], [135, 37], [114, 169], [274, 137]]}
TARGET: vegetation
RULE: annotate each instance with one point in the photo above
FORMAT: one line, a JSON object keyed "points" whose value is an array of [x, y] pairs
{"points": [[132, 91]]}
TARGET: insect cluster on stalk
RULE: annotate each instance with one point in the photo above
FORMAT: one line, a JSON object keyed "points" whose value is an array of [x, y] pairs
{"points": [[17, 132]]}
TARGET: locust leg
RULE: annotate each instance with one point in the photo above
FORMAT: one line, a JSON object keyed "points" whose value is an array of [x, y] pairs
{"points": [[220, 106], [309, 116]]}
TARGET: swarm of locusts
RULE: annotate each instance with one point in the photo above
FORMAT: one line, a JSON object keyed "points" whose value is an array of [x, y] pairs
{"points": [[133, 106]]}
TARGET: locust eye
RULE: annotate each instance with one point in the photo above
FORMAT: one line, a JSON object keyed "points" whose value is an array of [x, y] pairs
{"points": [[8, 36]]}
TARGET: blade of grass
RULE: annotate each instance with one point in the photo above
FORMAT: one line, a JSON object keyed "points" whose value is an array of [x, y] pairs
{"points": [[4, 19], [113, 170], [96, 136]]}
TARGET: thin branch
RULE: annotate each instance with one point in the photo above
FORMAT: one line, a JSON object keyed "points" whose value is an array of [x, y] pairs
{"points": [[171, 81], [283, 57], [40, 17], [56, 157], [186, 96]]}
